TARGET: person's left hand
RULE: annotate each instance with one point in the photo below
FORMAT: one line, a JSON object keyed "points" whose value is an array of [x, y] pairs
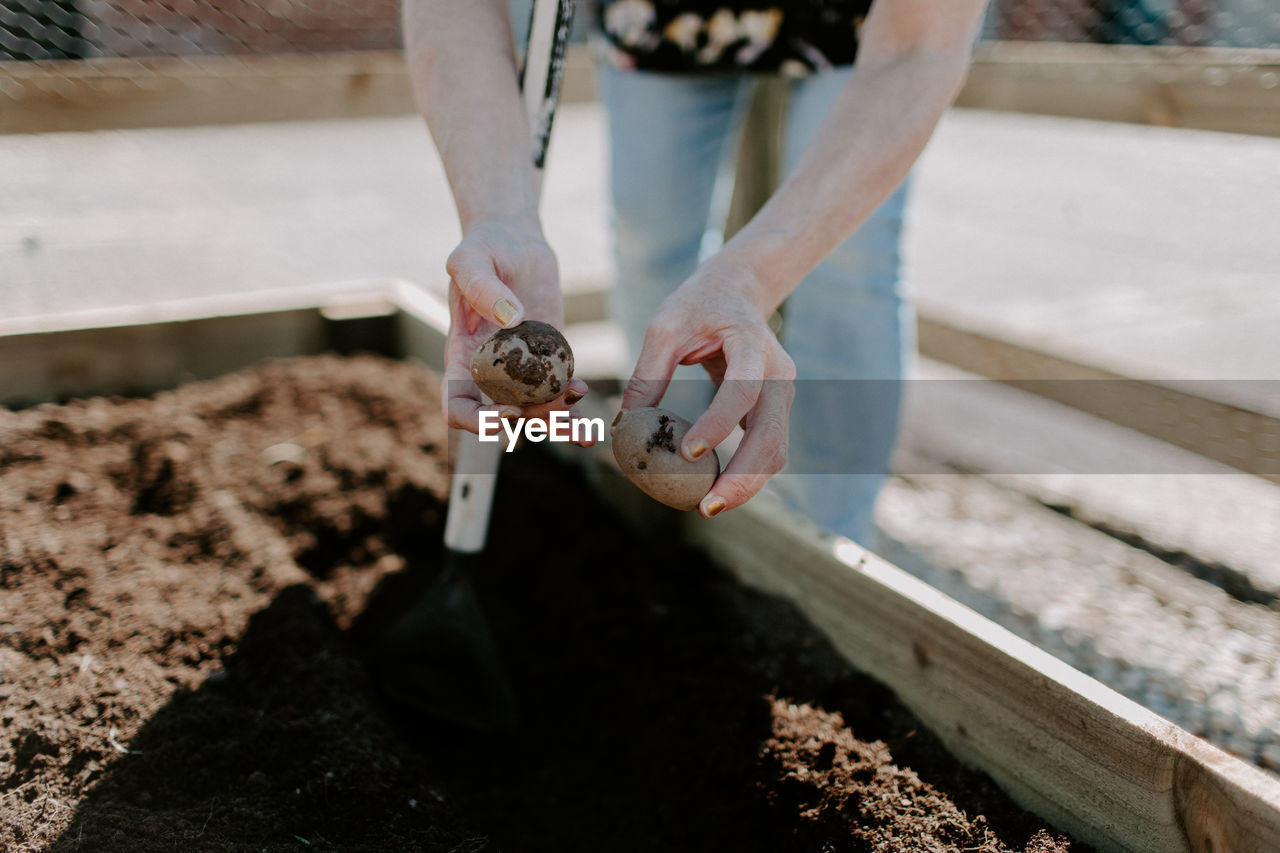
{"points": [[712, 321]]}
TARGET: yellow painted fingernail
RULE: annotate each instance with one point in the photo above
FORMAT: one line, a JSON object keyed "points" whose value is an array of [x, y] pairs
{"points": [[508, 413], [714, 507], [505, 312], [696, 448]]}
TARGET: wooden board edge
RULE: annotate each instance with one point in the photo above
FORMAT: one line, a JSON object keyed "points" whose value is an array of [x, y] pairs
{"points": [[1239, 431], [338, 298], [100, 94], [1209, 89], [1062, 744], [1029, 52], [116, 93], [138, 349], [423, 323], [1218, 89], [150, 346]]}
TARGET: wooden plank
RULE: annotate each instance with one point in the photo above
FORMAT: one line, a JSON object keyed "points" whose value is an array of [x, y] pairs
{"points": [[1236, 91], [579, 83], [1213, 89], [1243, 432], [95, 94], [759, 166], [130, 360], [1103, 475], [146, 348], [1063, 745], [586, 306]]}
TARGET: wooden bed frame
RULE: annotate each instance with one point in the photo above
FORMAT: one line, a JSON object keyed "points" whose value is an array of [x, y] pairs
{"points": [[1063, 745]]}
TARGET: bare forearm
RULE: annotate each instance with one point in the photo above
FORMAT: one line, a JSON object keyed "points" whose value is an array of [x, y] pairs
{"points": [[462, 64], [873, 134]]}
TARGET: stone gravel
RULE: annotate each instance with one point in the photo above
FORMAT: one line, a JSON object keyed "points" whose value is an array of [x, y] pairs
{"points": [[1179, 645]]}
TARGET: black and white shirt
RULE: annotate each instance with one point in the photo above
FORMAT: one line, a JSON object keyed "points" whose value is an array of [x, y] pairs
{"points": [[790, 37]]}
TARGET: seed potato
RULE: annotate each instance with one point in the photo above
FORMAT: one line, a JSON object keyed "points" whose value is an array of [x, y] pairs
{"points": [[526, 365], [647, 447]]}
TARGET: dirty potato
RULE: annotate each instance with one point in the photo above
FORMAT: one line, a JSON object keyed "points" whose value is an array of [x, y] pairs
{"points": [[647, 447], [526, 365]]}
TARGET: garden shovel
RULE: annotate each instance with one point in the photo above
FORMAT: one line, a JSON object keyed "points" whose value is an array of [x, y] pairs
{"points": [[439, 658]]}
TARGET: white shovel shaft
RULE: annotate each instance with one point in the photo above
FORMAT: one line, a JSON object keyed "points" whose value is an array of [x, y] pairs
{"points": [[475, 476]]}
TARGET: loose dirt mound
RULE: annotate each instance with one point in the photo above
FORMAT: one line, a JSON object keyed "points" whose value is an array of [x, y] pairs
{"points": [[188, 583]]}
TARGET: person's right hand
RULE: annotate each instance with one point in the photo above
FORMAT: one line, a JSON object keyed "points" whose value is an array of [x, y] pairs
{"points": [[502, 273]]}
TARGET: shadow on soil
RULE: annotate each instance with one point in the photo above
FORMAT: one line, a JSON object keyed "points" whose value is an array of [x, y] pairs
{"points": [[643, 678]]}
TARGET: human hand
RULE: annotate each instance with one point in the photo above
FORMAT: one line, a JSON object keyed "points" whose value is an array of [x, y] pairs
{"points": [[713, 321], [502, 273]]}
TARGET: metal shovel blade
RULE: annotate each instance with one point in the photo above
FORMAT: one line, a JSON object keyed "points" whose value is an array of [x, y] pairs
{"points": [[439, 659]]}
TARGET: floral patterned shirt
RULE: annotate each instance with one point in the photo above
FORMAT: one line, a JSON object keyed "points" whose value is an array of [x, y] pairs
{"points": [[790, 37]]}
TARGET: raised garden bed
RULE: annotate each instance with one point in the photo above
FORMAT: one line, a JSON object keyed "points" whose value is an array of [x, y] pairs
{"points": [[186, 671], [192, 581]]}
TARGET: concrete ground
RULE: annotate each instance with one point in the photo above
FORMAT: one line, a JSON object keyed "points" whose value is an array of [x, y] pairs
{"points": [[1140, 246]]}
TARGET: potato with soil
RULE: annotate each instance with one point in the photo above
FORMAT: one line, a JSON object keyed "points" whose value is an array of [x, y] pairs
{"points": [[646, 444], [526, 365]]}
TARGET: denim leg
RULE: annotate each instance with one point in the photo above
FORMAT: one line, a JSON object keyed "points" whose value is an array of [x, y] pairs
{"points": [[849, 331], [668, 136]]}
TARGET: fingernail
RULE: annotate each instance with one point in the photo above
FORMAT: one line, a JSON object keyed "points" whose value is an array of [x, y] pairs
{"points": [[613, 427], [713, 506], [507, 413], [505, 312], [696, 448], [571, 397]]}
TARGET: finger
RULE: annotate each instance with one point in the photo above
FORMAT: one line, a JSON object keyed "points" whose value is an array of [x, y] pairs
{"points": [[473, 273], [462, 401], [738, 394], [587, 436], [576, 391], [762, 453], [464, 413], [652, 373], [461, 314]]}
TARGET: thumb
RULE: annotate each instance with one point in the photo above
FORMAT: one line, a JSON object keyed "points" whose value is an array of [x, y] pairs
{"points": [[473, 273]]}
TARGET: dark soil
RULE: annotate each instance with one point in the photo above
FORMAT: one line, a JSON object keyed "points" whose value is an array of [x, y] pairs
{"points": [[188, 585]]}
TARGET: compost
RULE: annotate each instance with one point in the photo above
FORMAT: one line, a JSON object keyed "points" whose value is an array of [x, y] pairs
{"points": [[190, 585]]}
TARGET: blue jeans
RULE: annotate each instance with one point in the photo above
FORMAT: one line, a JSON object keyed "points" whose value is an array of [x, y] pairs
{"points": [[846, 326]]}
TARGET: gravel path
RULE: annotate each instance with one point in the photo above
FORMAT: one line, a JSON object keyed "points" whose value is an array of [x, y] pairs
{"points": [[1163, 584], [1180, 646]]}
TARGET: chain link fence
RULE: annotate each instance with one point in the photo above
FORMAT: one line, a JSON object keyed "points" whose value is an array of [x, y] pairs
{"points": [[79, 29], [83, 29], [1189, 23]]}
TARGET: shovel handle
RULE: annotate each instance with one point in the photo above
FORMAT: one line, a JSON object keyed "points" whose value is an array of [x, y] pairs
{"points": [[475, 476], [475, 472]]}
